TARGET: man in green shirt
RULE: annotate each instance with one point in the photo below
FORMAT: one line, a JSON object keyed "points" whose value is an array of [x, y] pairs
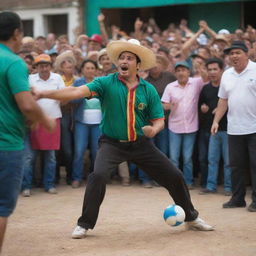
{"points": [[132, 114], [16, 105]]}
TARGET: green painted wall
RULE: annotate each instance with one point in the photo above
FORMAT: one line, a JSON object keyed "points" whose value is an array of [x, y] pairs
{"points": [[92, 9], [218, 16]]}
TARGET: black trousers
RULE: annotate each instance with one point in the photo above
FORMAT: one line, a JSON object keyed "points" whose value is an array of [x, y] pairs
{"points": [[242, 148], [147, 157]]}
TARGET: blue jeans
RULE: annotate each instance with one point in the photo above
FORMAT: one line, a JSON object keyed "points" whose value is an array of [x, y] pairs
{"points": [[85, 134], [11, 173], [143, 177], [218, 147], [49, 163], [203, 145], [183, 143], [161, 141]]}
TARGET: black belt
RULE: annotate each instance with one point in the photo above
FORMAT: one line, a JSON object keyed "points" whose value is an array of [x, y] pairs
{"points": [[125, 142]]}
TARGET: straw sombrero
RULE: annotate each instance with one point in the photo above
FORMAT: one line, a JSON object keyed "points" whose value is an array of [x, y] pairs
{"points": [[147, 56], [65, 56]]}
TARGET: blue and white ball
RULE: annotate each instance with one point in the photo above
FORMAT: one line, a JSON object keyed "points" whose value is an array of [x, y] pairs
{"points": [[174, 215]]}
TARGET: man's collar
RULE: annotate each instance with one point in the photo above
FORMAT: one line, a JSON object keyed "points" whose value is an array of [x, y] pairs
{"points": [[178, 85], [41, 79], [120, 78], [249, 66]]}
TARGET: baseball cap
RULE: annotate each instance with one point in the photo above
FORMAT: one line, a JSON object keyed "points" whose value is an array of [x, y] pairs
{"points": [[236, 45], [43, 58], [96, 38], [223, 32], [182, 64]]}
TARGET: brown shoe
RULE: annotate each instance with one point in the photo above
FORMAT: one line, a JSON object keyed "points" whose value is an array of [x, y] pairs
{"points": [[75, 184], [126, 182]]}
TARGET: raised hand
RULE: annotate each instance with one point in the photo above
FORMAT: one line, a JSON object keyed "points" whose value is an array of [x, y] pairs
{"points": [[138, 24], [101, 17], [203, 24]]}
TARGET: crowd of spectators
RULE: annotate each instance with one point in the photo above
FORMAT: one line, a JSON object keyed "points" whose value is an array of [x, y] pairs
{"points": [[81, 62]]}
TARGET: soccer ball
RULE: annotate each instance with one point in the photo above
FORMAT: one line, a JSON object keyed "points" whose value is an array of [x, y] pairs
{"points": [[174, 215]]}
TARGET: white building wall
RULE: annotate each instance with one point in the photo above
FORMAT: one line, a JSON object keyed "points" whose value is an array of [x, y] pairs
{"points": [[40, 29]]}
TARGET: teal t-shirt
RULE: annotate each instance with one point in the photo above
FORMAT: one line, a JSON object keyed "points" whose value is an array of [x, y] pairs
{"points": [[125, 111], [13, 79], [93, 103]]}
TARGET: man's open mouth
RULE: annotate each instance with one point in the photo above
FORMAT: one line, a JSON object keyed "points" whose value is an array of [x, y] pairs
{"points": [[124, 68]]}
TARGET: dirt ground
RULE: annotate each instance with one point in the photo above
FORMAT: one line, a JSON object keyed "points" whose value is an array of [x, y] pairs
{"points": [[130, 224]]}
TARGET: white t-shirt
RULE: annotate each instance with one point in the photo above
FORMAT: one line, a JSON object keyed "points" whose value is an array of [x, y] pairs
{"points": [[240, 91], [54, 82]]}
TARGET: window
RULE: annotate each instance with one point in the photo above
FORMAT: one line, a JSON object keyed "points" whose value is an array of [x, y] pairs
{"points": [[57, 24], [28, 27]]}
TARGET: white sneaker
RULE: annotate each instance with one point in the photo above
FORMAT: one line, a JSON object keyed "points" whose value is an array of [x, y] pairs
{"points": [[79, 232], [52, 191], [26, 193], [199, 225]]}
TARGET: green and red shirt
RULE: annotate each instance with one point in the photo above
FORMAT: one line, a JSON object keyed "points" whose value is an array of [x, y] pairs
{"points": [[126, 110]]}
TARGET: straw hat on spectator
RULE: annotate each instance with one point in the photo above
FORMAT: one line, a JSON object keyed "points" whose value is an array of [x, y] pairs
{"points": [[27, 39], [65, 56], [102, 52], [146, 56], [221, 37], [93, 55]]}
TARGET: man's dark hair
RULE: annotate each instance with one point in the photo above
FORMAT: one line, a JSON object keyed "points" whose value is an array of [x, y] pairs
{"points": [[29, 56], [164, 49], [9, 21], [137, 57], [215, 60]]}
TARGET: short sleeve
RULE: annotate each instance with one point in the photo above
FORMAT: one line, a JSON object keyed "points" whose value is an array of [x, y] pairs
{"points": [[222, 90], [61, 83], [166, 95], [155, 107], [17, 75], [97, 87]]}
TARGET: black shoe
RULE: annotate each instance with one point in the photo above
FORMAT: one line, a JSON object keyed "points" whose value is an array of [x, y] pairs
{"points": [[205, 191], [252, 207], [232, 204]]}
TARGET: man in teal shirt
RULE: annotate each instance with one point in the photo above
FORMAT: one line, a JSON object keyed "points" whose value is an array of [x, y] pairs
{"points": [[132, 114], [16, 105]]}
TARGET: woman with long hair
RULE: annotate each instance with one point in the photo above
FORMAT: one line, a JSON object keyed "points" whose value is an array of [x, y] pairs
{"points": [[87, 120]]}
